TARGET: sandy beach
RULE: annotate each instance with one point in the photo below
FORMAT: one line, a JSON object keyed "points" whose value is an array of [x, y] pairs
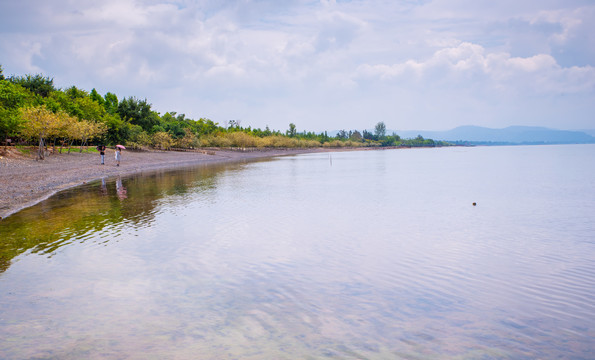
{"points": [[25, 181]]}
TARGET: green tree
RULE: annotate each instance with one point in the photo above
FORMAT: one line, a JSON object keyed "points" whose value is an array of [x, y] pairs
{"points": [[9, 123], [233, 125], [176, 129], [111, 103], [138, 112], [118, 131], [94, 95], [356, 136], [75, 92], [380, 130], [77, 103], [292, 130], [204, 127], [173, 125], [267, 131], [12, 98], [37, 84], [368, 135]]}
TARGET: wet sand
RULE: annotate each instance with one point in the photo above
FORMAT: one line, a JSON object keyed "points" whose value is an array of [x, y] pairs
{"points": [[25, 181]]}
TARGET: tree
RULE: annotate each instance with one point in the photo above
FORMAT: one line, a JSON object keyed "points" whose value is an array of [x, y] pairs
{"points": [[9, 123], [65, 128], [88, 130], [176, 129], [73, 92], [204, 126], [40, 123], [186, 142], [118, 131], [380, 130], [138, 112], [356, 136], [76, 103], [292, 131], [172, 124], [162, 140], [37, 84], [110, 103], [94, 95], [12, 98], [368, 135], [234, 125], [267, 131]]}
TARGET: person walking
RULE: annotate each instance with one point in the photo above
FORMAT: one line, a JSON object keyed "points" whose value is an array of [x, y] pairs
{"points": [[118, 156], [101, 149]]}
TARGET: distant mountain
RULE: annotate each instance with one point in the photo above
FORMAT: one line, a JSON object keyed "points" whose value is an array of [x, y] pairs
{"points": [[589, 132], [509, 135]]}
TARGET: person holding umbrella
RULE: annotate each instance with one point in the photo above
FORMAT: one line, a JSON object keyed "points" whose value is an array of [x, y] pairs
{"points": [[119, 154], [101, 149]]}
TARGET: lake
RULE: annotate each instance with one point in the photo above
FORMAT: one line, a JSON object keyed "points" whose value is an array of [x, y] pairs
{"points": [[347, 255]]}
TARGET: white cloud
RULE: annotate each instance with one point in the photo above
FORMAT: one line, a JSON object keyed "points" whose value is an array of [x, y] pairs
{"points": [[323, 65], [569, 22], [538, 74], [336, 29], [22, 50]]}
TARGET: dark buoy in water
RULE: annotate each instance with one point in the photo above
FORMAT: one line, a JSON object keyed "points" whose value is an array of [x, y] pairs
{"points": [[474, 204]]}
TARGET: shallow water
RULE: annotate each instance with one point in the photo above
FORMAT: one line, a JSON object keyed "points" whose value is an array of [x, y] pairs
{"points": [[371, 254]]}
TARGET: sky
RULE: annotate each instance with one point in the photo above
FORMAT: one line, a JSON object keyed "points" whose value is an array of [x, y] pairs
{"points": [[322, 65]]}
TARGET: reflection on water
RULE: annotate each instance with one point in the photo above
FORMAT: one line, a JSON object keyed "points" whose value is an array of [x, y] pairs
{"points": [[73, 213], [120, 189], [380, 255]]}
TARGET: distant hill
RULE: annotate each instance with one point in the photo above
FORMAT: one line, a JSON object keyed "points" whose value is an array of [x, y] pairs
{"points": [[509, 135], [589, 132]]}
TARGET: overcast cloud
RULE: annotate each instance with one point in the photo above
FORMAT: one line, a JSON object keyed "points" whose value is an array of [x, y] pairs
{"points": [[323, 65]]}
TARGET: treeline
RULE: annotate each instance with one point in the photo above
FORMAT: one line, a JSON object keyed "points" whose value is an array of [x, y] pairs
{"points": [[33, 110]]}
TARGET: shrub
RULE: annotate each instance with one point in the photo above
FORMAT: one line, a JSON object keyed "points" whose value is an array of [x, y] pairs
{"points": [[162, 140], [241, 139], [334, 143]]}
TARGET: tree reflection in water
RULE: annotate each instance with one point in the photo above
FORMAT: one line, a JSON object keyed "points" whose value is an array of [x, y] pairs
{"points": [[68, 215]]}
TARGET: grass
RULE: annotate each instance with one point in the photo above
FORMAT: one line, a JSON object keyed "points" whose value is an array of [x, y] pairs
{"points": [[28, 150], [25, 150]]}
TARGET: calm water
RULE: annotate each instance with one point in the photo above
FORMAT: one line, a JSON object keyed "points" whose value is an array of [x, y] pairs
{"points": [[367, 255]]}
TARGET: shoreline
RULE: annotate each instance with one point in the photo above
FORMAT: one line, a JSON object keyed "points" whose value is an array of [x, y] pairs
{"points": [[25, 182]]}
